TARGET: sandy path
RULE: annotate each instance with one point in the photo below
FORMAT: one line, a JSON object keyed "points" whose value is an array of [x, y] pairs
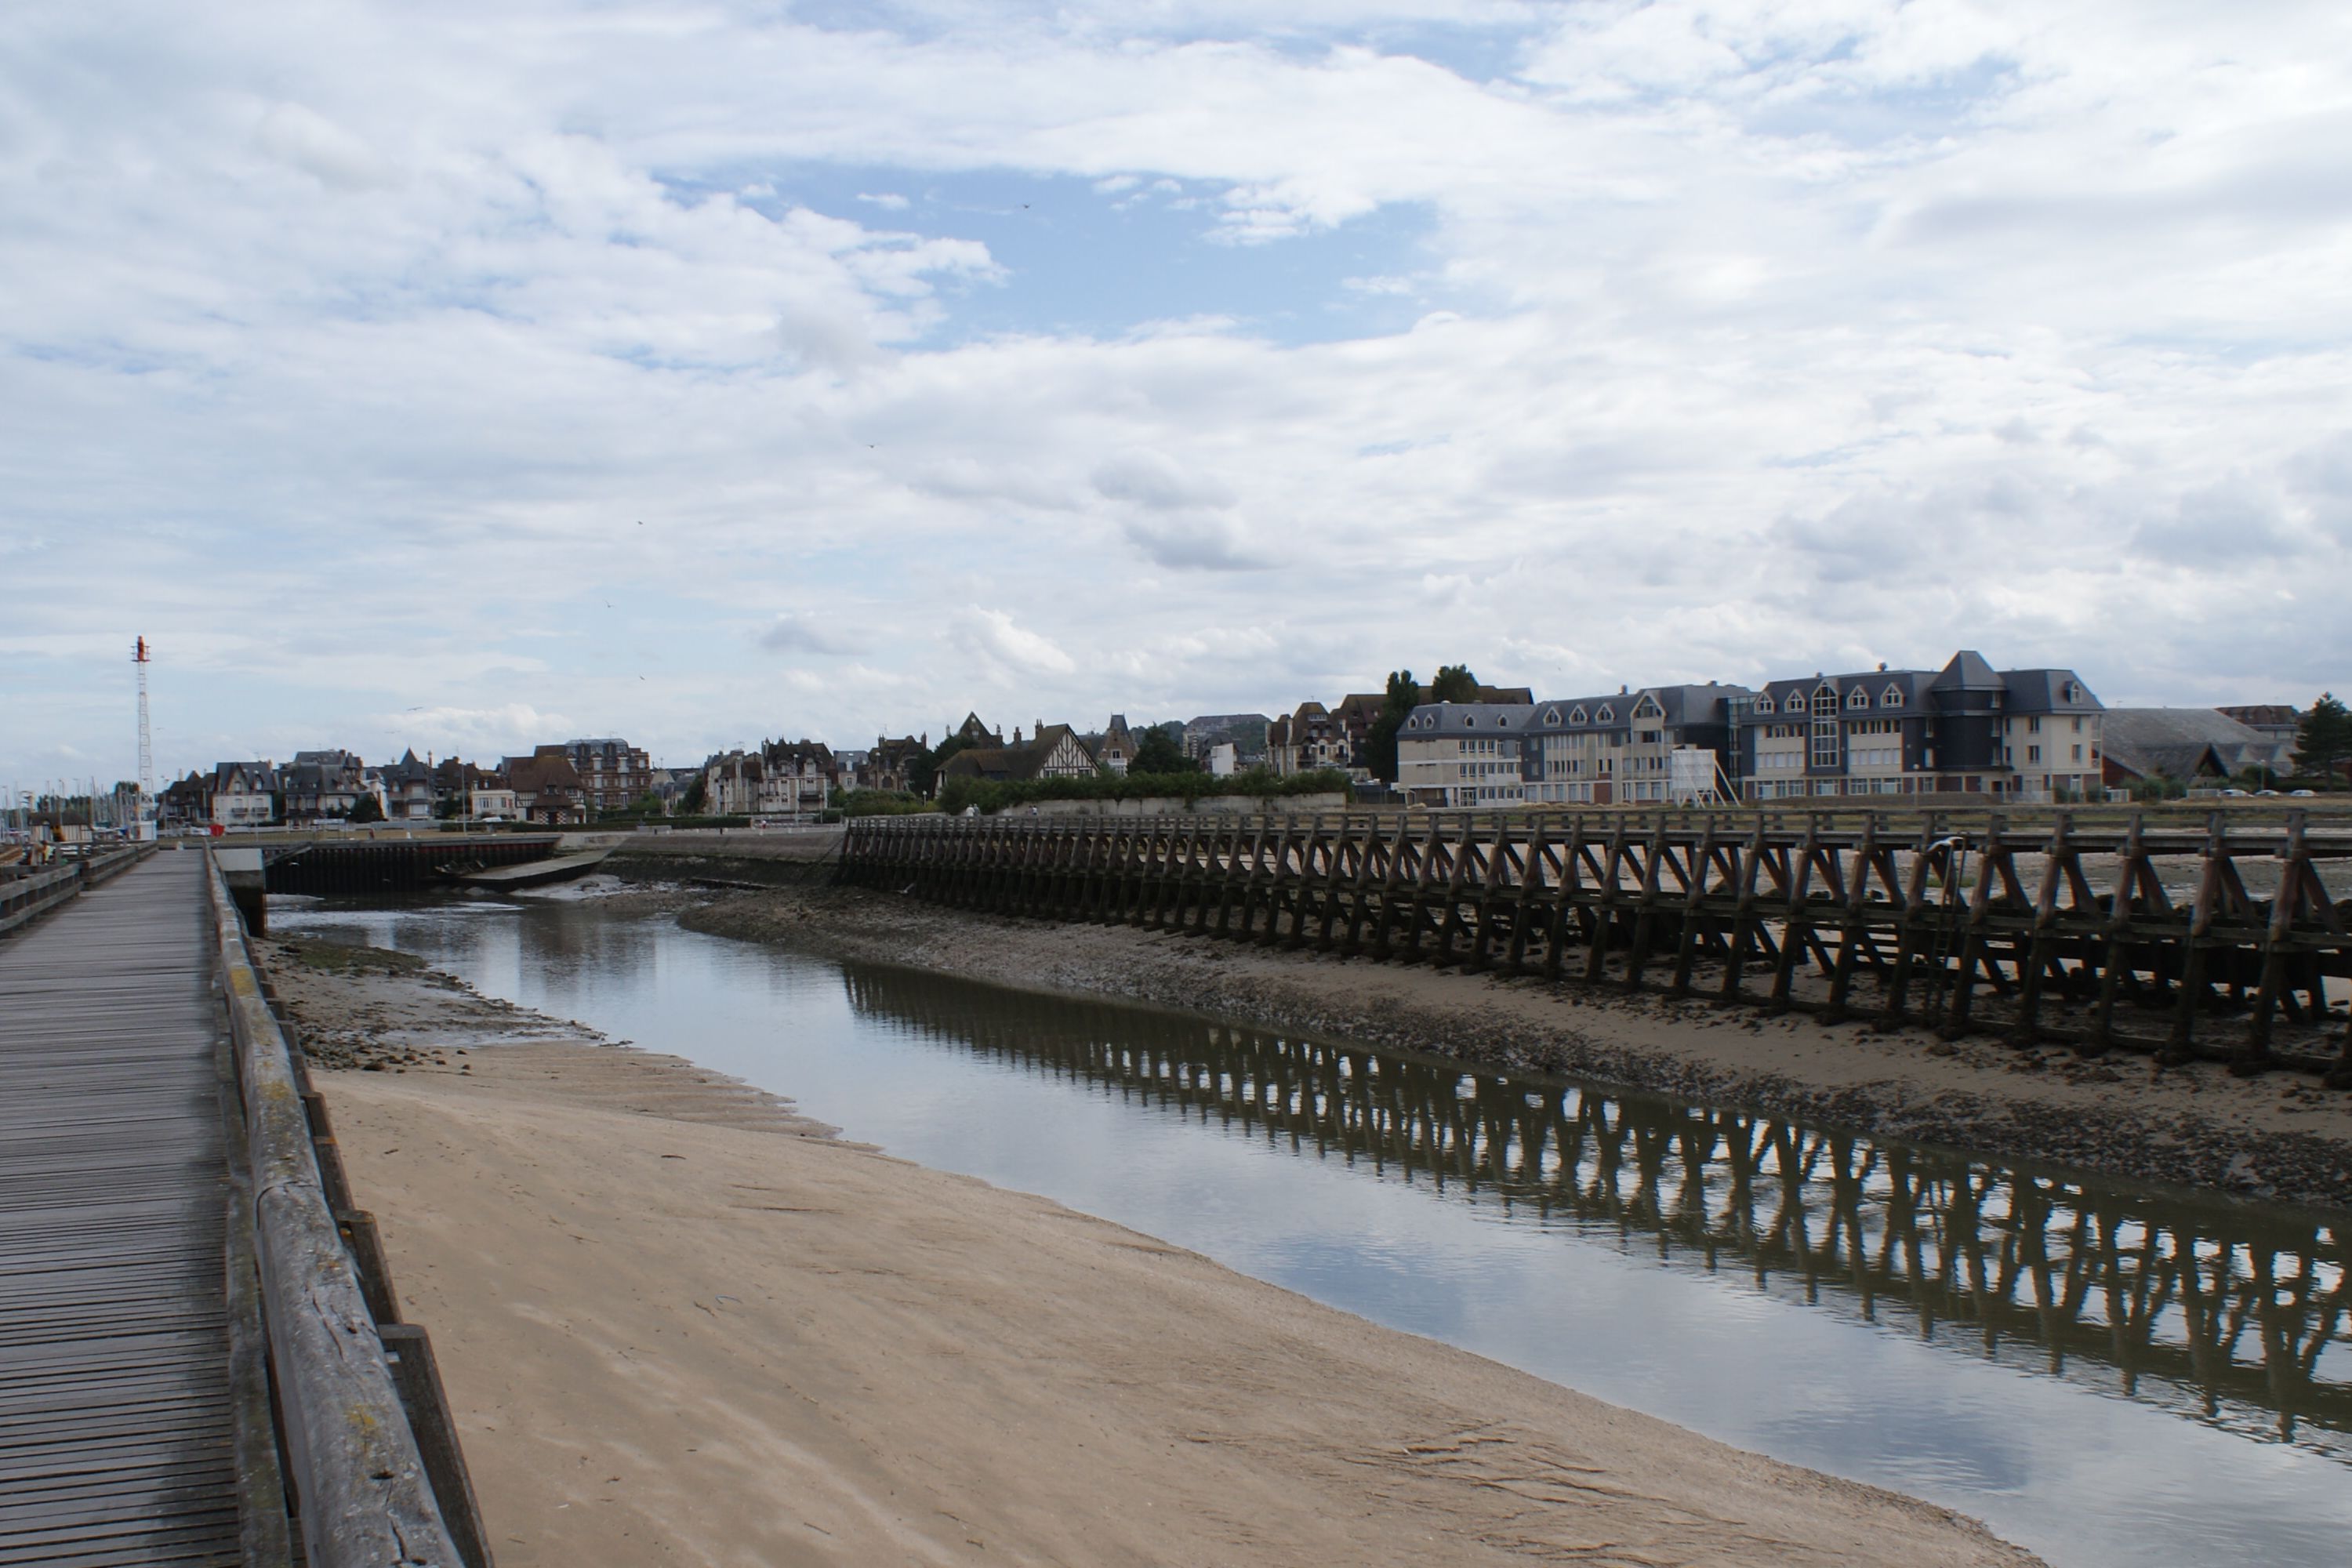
{"points": [[678, 1328]]}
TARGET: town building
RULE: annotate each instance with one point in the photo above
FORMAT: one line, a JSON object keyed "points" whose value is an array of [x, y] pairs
{"points": [[491, 799], [2184, 745], [891, 765], [1247, 731], [320, 787], [1057, 753], [1116, 749], [546, 786], [243, 795], [1355, 716], [782, 778], [187, 803], [1306, 740], [1658, 743], [2277, 723], [408, 787], [2018, 734], [614, 775], [1463, 753]]}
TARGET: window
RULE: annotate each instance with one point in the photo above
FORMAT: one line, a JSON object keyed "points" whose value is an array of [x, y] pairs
{"points": [[1607, 714], [1764, 704], [1857, 698], [2034, 726], [2078, 725], [1577, 717], [2078, 754], [1891, 698], [2032, 753], [1551, 716]]}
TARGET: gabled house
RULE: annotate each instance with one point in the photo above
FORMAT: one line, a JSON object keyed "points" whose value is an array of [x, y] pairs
{"points": [[1115, 750], [1308, 740], [407, 789], [547, 787], [1657, 743], [1057, 753], [1463, 753], [186, 803], [890, 765], [320, 787], [245, 795]]}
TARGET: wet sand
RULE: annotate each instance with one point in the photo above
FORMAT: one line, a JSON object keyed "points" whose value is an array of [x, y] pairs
{"points": [[679, 1323], [2283, 1136]]}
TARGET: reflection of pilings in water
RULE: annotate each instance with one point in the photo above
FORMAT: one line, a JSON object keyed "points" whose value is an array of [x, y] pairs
{"points": [[2059, 933], [2222, 1308]]}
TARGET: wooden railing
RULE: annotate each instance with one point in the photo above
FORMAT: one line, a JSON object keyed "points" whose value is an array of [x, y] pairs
{"points": [[27, 898], [366, 1499], [2220, 938]]}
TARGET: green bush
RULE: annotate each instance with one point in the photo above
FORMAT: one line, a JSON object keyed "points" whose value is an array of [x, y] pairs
{"points": [[874, 803], [957, 794]]}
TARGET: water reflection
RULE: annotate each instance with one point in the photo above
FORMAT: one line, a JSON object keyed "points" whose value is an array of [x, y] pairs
{"points": [[2220, 1311], [1886, 1313]]}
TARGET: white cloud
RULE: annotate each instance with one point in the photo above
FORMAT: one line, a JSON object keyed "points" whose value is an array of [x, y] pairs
{"points": [[992, 636], [375, 351]]}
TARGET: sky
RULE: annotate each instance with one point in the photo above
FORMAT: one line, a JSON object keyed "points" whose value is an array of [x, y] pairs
{"points": [[462, 377]]}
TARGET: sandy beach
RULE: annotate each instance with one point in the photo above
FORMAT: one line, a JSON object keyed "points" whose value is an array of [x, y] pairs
{"points": [[2283, 1136], [680, 1323]]}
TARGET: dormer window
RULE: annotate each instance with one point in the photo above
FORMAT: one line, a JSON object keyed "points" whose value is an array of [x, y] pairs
{"points": [[1607, 714], [1891, 698], [1764, 704], [1551, 717], [1469, 721], [1858, 698], [1580, 717], [1648, 709]]}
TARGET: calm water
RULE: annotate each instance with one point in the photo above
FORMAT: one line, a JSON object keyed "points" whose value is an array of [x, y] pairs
{"points": [[2106, 1375]]}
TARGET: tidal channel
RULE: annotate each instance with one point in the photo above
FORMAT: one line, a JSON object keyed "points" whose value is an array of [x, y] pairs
{"points": [[2106, 1374]]}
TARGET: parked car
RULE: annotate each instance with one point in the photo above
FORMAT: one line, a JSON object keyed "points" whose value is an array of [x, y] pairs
{"points": [[2303, 794]]}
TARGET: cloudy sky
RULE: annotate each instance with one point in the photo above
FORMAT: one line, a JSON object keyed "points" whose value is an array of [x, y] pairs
{"points": [[461, 376]]}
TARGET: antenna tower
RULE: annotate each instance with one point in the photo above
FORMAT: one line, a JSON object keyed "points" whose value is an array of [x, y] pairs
{"points": [[139, 657]]}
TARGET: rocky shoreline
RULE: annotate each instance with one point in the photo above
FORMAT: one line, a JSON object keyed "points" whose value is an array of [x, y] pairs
{"points": [[2281, 1138]]}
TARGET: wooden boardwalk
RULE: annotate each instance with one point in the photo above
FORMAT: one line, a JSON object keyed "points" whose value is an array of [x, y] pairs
{"points": [[117, 1426]]}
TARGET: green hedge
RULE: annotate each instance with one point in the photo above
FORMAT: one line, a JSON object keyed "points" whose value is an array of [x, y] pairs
{"points": [[957, 794], [877, 803]]}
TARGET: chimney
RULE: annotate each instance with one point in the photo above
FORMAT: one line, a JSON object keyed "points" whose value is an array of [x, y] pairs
{"points": [[1016, 734], [1040, 729]]}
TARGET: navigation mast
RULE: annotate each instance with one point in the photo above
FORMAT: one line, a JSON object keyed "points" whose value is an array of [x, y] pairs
{"points": [[141, 658]]}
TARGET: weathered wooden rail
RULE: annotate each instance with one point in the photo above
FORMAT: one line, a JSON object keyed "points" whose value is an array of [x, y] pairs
{"points": [[366, 1494], [2182, 942], [26, 897], [2220, 1311], [350, 865]]}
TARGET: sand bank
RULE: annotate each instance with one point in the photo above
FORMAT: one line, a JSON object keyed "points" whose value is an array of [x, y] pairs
{"points": [[680, 1324]]}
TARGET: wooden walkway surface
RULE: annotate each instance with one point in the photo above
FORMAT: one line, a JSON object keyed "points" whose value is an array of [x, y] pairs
{"points": [[116, 1421]]}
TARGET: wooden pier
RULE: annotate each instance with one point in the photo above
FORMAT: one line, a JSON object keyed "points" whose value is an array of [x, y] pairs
{"points": [[2106, 933], [180, 1304]]}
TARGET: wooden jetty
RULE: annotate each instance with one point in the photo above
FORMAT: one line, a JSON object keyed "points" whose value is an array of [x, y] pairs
{"points": [[2182, 940], [181, 1299]]}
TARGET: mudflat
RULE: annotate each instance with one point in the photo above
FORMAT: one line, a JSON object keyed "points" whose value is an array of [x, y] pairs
{"points": [[2283, 1136], [680, 1323]]}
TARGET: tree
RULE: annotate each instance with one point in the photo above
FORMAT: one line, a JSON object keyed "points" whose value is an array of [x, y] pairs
{"points": [[1454, 683], [1158, 753], [366, 808], [449, 806], [923, 773], [2323, 738], [691, 799], [1380, 739]]}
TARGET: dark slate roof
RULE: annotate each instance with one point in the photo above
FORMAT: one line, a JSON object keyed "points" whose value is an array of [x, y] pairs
{"points": [[1968, 672], [2179, 743], [1466, 719], [2048, 691], [1910, 688], [1027, 760], [1678, 706]]}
